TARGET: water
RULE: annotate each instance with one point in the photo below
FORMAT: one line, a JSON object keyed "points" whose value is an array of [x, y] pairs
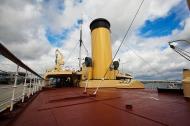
{"points": [[163, 85], [6, 94]]}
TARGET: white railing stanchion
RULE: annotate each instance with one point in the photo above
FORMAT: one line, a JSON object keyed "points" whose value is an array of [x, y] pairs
{"points": [[30, 85], [39, 81], [38, 84], [25, 85], [85, 88], [33, 86], [14, 89]]}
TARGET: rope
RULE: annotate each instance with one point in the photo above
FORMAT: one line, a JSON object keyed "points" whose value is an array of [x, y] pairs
{"points": [[85, 48], [123, 40], [128, 30], [180, 40], [184, 51], [180, 51], [157, 71], [71, 52], [183, 55]]}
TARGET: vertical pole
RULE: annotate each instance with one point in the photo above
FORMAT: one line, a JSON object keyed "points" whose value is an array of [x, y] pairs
{"points": [[44, 83], [33, 86], [85, 91], [29, 91], [40, 84], [37, 83], [122, 67], [14, 88], [25, 85], [80, 48]]}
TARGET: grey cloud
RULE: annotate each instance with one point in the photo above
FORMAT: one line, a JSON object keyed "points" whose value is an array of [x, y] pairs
{"points": [[24, 23]]}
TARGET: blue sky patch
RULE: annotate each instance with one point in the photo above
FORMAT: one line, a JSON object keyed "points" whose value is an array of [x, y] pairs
{"points": [[61, 6], [56, 39], [79, 21], [163, 47], [77, 2], [164, 26]]}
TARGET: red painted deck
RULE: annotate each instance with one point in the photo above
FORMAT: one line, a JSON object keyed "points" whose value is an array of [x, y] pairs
{"points": [[69, 107]]}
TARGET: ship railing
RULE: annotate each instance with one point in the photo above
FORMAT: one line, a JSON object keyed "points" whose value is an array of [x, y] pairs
{"points": [[20, 92], [23, 87]]}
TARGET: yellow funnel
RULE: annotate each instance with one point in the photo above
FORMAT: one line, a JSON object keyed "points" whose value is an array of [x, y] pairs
{"points": [[186, 83], [101, 47]]}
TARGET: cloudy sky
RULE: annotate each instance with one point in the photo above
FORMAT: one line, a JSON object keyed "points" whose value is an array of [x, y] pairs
{"points": [[34, 29]]}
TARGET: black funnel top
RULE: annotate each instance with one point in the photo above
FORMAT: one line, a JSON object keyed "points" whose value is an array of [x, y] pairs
{"points": [[99, 22]]}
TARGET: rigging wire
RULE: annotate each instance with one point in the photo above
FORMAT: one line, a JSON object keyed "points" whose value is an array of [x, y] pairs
{"points": [[180, 51], [183, 54], [71, 52], [123, 40], [179, 40], [82, 43], [85, 48], [183, 50], [146, 62]]}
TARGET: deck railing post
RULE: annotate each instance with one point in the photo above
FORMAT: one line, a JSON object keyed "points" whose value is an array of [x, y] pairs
{"points": [[37, 83], [30, 85], [14, 89], [33, 86], [41, 83], [40, 86], [25, 85]]}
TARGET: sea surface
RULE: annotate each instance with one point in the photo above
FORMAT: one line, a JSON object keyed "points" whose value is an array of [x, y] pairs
{"points": [[163, 85], [6, 92]]}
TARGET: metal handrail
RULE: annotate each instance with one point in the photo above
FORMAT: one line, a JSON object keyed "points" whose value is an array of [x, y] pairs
{"points": [[6, 53], [35, 80]]}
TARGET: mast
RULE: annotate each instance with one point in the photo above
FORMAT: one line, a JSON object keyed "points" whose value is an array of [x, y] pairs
{"points": [[80, 45]]}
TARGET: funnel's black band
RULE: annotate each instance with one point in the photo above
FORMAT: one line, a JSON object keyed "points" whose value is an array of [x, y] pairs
{"points": [[100, 22]]}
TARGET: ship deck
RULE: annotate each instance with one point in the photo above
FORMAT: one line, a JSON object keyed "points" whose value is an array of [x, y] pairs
{"points": [[111, 107]]}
